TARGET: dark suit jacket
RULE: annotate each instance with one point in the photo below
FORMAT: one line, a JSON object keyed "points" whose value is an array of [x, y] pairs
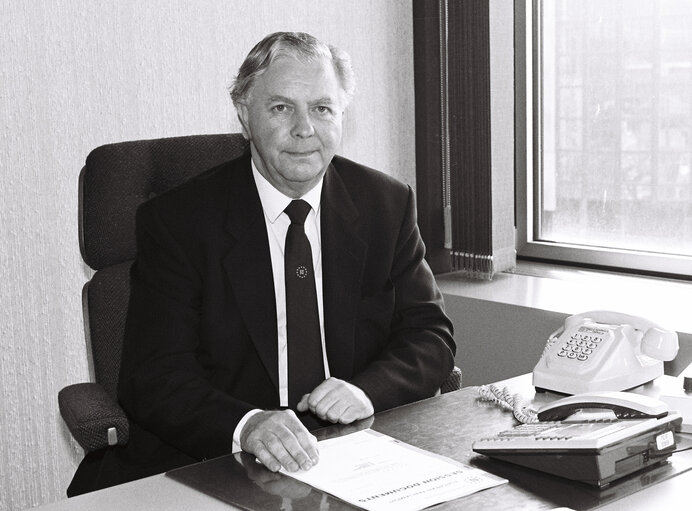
{"points": [[201, 348]]}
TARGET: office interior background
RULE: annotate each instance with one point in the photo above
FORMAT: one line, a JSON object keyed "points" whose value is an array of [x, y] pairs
{"points": [[77, 74]]}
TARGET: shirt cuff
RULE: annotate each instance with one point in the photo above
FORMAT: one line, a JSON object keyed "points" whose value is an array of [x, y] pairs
{"points": [[239, 429]]}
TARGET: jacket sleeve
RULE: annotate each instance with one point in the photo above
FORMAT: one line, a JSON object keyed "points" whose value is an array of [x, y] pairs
{"points": [[162, 385], [420, 349]]}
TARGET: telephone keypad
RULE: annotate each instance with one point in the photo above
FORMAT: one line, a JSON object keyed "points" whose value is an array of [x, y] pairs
{"points": [[580, 345]]}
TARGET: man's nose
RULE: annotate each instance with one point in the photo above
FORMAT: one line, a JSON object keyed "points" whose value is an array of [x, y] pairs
{"points": [[302, 125]]}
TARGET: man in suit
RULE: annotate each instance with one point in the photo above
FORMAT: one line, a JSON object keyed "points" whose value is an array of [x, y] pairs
{"points": [[207, 367]]}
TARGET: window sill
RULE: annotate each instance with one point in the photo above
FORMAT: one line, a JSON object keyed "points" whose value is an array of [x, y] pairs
{"points": [[573, 290]]}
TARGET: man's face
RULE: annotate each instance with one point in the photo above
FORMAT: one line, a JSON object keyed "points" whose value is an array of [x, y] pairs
{"points": [[293, 119]]}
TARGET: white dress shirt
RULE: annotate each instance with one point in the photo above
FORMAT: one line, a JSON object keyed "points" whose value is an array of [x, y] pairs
{"points": [[273, 204]]}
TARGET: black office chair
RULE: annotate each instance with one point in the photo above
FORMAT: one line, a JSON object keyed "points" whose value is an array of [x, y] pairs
{"points": [[453, 381], [115, 180]]}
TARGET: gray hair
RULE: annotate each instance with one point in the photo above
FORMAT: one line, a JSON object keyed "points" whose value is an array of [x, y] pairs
{"points": [[297, 45]]}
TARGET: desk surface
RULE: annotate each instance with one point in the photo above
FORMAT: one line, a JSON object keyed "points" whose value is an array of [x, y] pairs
{"points": [[446, 425]]}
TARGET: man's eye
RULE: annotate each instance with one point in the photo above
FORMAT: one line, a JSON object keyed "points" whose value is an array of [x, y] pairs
{"points": [[279, 108]]}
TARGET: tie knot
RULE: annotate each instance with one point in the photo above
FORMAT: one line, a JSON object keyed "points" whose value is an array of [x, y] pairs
{"points": [[298, 211]]}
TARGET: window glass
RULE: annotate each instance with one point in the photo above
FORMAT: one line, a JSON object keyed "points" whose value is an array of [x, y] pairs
{"points": [[616, 124]]}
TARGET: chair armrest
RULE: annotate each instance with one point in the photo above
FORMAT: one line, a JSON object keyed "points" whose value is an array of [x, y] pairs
{"points": [[93, 417], [453, 381]]}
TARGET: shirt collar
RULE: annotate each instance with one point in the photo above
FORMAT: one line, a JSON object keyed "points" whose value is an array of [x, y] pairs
{"points": [[274, 202]]}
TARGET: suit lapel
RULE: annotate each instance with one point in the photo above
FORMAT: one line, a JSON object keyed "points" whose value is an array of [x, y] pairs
{"points": [[248, 266], [343, 259]]}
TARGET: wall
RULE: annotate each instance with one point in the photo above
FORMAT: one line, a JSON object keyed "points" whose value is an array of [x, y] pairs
{"points": [[496, 340], [76, 74]]}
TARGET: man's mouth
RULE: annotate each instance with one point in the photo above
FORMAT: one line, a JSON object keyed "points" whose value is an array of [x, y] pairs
{"points": [[301, 153]]}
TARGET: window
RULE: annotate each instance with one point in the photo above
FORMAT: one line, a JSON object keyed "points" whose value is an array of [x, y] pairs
{"points": [[608, 118]]}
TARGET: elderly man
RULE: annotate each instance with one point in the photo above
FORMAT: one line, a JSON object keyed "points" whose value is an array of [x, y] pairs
{"points": [[278, 292]]}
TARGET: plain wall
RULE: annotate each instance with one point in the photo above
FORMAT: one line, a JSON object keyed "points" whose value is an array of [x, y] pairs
{"points": [[497, 340], [76, 74]]}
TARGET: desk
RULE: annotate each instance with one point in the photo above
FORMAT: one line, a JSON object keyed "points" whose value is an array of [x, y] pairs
{"points": [[446, 424]]}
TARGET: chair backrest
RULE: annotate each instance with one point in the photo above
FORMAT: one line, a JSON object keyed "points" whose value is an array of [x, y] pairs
{"points": [[115, 180]]}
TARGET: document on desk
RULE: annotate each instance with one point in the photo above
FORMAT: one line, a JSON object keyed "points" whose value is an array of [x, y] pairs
{"points": [[379, 473]]}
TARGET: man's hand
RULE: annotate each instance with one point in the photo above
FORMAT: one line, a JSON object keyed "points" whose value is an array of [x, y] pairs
{"points": [[278, 439], [271, 482], [336, 400]]}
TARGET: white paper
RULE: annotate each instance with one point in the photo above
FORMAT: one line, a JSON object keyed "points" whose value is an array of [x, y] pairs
{"points": [[379, 473]]}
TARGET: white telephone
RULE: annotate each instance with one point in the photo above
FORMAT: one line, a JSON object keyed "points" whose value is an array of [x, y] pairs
{"points": [[603, 351], [596, 438]]}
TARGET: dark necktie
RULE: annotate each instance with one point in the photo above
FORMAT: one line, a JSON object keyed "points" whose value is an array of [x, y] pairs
{"points": [[305, 364]]}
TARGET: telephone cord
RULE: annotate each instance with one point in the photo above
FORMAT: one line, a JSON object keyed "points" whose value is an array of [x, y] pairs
{"points": [[509, 401], [549, 343]]}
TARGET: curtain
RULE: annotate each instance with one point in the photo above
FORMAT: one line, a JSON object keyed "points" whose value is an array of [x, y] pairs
{"points": [[478, 135]]}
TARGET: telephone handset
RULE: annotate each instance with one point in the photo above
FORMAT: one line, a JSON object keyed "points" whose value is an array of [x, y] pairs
{"points": [[603, 351], [619, 405]]}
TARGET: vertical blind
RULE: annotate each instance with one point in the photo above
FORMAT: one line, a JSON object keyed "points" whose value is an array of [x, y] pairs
{"points": [[477, 131]]}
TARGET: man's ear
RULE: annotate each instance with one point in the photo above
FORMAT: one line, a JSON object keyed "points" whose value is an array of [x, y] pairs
{"points": [[241, 109]]}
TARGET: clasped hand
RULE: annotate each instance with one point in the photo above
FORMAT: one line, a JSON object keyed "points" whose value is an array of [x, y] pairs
{"points": [[277, 437], [335, 401]]}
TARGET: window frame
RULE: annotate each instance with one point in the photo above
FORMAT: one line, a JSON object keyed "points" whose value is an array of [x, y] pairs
{"points": [[527, 173]]}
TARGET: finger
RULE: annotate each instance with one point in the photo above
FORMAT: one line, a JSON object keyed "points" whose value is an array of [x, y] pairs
{"points": [[278, 439], [323, 389], [352, 414], [324, 396], [284, 448], [336, 411], [306, 444], [322, 407], [302, 405], [300, 445], [287, 451], [265, 457], [350, 404], [322, 404]]}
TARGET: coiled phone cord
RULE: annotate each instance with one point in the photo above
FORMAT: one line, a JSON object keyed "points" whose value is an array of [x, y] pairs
{"points": [[508, 401]]}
